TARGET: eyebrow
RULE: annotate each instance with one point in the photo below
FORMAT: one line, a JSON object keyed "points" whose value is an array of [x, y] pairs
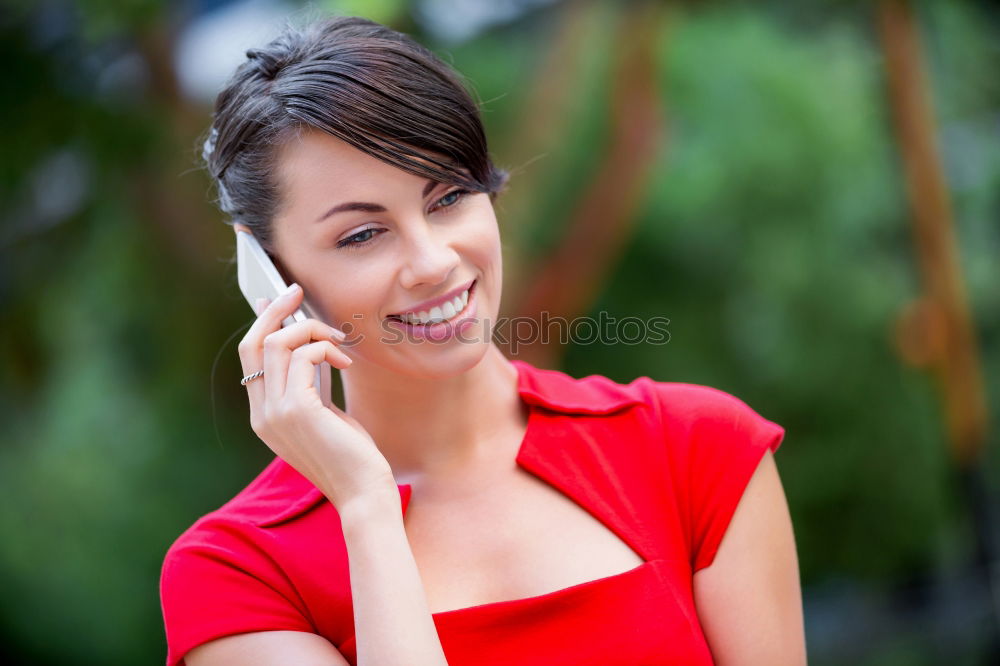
{"points": [[368, 207]]}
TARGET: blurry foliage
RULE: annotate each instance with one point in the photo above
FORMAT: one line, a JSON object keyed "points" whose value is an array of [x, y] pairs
{"points": [[389, 12], [774, 236]]}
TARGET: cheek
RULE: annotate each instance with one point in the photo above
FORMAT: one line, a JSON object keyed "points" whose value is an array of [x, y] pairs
{"points": [[485, 236], [353, 292], [488, 245], [345, 290]]}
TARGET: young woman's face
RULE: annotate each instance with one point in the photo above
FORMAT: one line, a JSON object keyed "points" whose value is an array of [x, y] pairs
{"points": [[412, 241]]}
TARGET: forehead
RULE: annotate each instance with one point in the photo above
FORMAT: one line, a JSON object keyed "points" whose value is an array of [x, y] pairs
{"points": [[312, 159]]}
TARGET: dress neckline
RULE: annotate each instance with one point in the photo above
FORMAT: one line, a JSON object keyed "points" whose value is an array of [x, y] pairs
{"points": [[511, 614], [555, 597]]}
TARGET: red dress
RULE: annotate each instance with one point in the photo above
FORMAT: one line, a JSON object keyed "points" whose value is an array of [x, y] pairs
{"points": [[661, 464]]}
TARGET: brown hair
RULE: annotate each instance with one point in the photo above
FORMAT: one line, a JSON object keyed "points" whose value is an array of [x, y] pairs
{"points": [[360, 81]]}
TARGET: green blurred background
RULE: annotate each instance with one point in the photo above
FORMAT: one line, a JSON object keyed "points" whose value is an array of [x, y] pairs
{"points": [[770, 223]]}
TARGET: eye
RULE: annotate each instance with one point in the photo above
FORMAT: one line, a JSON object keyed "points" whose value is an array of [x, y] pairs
{"points": [[359, 239], [452, 198]]}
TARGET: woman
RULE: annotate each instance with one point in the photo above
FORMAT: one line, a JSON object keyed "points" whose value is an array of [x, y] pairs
{"points": [[463, 509]]}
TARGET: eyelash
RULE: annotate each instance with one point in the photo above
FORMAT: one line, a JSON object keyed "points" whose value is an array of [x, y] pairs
{"points": [[347, 243]]}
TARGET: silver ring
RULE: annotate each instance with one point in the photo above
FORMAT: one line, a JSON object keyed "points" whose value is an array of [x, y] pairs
{"points": [[250, 378]]}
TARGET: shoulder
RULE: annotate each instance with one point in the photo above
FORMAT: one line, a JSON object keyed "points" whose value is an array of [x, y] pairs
{"points": [[232, 571], [277, 494], [675, 405], [236, 533], [597, 394], [682, 414], [687, 406], [698, 416], [689, 428]]}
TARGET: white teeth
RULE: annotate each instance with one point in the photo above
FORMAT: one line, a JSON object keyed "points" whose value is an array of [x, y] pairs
{"points": [[438, 314]]}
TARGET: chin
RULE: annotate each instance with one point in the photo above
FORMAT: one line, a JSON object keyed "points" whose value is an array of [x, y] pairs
{"points": [[444, 362]]}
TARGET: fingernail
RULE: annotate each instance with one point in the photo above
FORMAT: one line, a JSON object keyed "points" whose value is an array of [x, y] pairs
{"points": [[292, 288], [261, 304], [339, 335]]}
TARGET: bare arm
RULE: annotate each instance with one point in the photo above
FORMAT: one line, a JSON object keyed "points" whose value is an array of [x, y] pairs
{"points": [[267, 648], [749, 599], [393, 624]]}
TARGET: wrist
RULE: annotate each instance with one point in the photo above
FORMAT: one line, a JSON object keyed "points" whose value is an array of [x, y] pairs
{"points": [[372, 507]]}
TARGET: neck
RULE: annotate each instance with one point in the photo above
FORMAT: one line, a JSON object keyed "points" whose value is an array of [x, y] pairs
{"points": [[435, 427]]}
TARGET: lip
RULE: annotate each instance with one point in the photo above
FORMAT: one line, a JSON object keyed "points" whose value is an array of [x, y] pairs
{"points": [[440, 300], [444, 330]]}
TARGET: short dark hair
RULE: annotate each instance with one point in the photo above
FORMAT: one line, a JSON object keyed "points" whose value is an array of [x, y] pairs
{"points": [[366, 84]]}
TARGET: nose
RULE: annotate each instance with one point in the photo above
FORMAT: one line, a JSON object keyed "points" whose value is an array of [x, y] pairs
{"points": [[429, 259]]}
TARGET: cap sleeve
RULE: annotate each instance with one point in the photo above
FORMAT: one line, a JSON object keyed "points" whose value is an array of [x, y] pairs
{"points": [[715, 443], [215, 583]]}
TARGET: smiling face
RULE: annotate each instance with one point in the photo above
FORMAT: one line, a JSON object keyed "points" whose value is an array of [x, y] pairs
{"points": [[412, 241]]}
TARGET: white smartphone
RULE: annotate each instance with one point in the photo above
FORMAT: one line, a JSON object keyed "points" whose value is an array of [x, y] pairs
{"points": [[259, 278]]}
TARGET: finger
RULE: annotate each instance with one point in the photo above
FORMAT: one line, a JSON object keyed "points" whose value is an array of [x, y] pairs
{"points": [[268, 320], [280, 308], [251, 347], [303, 362], [278, 348], [251, 361], [255, 388]]}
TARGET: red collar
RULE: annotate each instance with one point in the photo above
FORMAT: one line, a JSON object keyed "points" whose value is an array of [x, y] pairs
{"points": [[280, 493], [557, 391]]}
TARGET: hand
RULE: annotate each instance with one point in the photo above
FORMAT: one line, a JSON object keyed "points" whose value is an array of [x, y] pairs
{"points": [[322, 442]]}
